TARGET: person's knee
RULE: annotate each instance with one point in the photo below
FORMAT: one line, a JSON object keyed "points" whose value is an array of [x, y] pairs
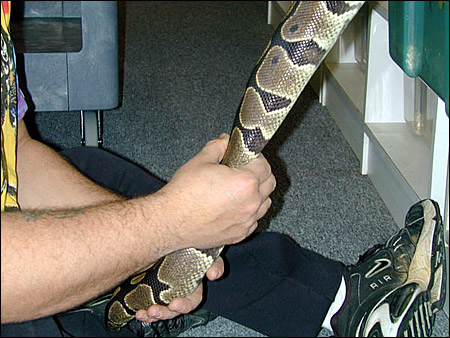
{"points": [[276, 239]]}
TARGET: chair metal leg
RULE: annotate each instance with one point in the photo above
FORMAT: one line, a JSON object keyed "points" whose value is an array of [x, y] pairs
{"points": [[91, 128]]}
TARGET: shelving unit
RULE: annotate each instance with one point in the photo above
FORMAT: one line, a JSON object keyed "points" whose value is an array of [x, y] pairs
{"points": [[373, 102]]}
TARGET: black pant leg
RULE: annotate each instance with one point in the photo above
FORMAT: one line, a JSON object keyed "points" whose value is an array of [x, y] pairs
{"points": [[274, 286], [113, 172]]}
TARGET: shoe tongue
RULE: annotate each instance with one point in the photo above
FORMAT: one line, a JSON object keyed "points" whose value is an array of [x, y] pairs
{"points": [[402, 260], [369, 253]]}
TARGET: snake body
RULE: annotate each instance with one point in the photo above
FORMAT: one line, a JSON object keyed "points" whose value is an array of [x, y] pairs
{"points": [[297, 48]]}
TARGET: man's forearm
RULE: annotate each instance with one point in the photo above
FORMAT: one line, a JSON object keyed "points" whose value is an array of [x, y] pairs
{"points": [[72, 239], [91, 250], [47, 181]]}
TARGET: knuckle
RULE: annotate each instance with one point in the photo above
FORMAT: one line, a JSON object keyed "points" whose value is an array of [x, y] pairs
{"points": [[274, 181], [250, 184], [267, 169], [266, 206], [239, 238], [213, 141], [246, 186], [250, 210], [253, 208]]}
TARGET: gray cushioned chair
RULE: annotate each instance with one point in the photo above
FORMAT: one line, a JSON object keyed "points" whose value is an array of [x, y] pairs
{"points": [[70, 58]]}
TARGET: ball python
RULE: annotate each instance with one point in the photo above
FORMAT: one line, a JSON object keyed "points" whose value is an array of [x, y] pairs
{"points": [[298, 46]]}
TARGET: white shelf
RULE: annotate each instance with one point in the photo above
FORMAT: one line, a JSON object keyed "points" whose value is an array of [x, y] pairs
{"points": [[352, 80], [370, 104], [396, 139]]}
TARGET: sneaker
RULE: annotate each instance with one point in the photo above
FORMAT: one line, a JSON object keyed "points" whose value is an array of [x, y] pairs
{"points": [[171, 327], [396, 288], [163, 328]]}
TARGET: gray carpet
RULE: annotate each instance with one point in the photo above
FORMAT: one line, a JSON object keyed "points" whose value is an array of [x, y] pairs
{"points": [[184, 66]]}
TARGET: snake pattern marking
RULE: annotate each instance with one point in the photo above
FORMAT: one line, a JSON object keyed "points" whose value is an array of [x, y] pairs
{"points": [[298, 46]]}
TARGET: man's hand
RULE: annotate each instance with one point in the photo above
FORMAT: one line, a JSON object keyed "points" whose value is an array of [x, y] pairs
{"points": [[213, 205], [181, 305]]}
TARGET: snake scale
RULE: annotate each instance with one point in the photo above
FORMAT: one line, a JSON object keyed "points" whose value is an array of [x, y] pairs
{"points": [[298, 46]]}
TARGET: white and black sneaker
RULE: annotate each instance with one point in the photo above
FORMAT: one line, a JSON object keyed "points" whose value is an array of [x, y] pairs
{"points": [[396, 288]]}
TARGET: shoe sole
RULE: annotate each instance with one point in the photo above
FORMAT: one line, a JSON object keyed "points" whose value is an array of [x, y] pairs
{"points": [[427, 267], [420, 318]]}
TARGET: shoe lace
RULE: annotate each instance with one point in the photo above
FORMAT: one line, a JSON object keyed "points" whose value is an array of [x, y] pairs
{"points": [[398, 247], [369, 253]]}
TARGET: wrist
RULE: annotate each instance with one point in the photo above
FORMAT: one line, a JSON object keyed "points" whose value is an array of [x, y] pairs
{"points": [[162, 221]]}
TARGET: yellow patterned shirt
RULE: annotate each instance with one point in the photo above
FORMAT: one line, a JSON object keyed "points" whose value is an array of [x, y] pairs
{"points": [[12, 108]]}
